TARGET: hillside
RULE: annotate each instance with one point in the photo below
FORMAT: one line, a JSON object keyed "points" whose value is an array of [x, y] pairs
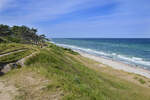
{"points": [[32, 68], [56, 73]]}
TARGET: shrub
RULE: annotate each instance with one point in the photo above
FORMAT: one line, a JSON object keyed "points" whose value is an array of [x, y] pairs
{"points": [[142, 81]]}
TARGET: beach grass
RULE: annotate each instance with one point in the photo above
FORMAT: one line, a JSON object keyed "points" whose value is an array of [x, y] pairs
{"points": [[15, 56], [79, 82], [60, 73], [12, 52], [8, 47]]}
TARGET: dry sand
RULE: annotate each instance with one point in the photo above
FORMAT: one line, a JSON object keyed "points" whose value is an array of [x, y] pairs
{"points": [[118, 65]]}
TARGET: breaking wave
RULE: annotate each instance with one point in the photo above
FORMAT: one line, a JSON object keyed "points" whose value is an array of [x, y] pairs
{"points": [[115, 56]]}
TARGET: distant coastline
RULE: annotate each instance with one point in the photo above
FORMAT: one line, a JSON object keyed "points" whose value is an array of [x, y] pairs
{"points": [[113, 63], [134, 52]]}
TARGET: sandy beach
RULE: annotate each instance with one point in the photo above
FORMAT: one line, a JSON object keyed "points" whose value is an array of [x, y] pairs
{"points": [[118, 65]]}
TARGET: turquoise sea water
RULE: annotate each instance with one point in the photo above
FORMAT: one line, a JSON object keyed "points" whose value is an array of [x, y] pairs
{"points": [[131, 51]]}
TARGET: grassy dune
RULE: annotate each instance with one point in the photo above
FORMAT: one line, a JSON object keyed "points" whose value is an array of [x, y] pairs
{"points": [[78, 82], [12, 49], [15, 56], [9, 47], [70, 78]]}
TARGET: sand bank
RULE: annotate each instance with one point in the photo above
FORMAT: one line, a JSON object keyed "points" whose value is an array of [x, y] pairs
{"points": [[118, 65]]}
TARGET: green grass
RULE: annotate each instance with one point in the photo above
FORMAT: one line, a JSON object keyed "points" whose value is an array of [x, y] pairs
{"points": [[71, 51], [12, 47], [62, 50], [78, 82], [9, 47], [14, 56]]}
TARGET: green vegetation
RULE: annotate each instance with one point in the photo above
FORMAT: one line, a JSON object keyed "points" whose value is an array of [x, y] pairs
{"points": [[15, 56], [61, 49], [79, 82], [57, 72], [21, 34], [142, 81], [17, 42], [71, 51], [10, 47]]}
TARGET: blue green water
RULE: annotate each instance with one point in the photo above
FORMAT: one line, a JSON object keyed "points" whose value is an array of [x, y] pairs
{"points": [[130, 51]]}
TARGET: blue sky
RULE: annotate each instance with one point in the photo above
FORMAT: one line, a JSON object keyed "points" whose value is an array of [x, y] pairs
{"points": [[80, 18]]}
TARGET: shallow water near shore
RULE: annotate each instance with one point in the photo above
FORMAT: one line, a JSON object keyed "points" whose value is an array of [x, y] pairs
{"points": [[135, 52]]}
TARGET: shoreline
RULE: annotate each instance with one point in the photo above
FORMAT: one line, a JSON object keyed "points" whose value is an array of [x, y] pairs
{"points": [[117, 65]]}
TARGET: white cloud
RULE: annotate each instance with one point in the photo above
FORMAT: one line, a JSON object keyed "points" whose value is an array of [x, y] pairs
{"points": [[130, 16], [32, 11]]}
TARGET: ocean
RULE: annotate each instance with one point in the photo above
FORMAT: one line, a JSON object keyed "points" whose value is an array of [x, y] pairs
{"points": [[135, 52]]}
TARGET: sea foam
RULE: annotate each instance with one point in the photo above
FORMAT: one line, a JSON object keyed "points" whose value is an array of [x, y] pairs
{"points": [[134, 60]]}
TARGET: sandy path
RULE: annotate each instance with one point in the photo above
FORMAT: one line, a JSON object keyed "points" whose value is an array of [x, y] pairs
{"points": [[7, 92], [21, 62], [118, 65]]}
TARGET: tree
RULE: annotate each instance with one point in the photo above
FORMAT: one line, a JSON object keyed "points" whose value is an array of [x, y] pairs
{"points": [[22, 34], [42, 39], [5, 30]]}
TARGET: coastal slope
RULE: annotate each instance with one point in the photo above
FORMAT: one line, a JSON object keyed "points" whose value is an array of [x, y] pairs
{"points": [[57, 73]]}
